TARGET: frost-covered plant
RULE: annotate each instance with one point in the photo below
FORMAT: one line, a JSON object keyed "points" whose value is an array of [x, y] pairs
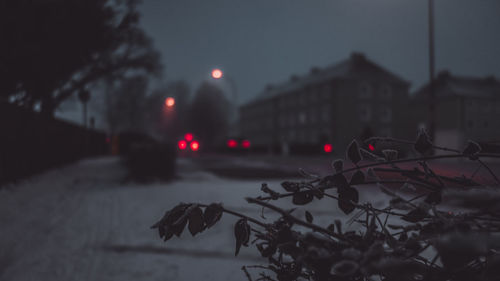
{"points": [[441, 233]]}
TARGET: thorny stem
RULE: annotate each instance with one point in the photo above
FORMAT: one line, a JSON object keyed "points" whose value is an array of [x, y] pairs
{"points": [[240, 215], [489, 170], [394, 140], [295, 219]]}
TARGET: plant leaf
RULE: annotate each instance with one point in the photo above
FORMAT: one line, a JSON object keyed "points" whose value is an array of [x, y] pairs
{"points": [[242, 234], [390, 154], [353, 153], [196, 221], [302, 198], [290, 186], [433, 197], [423, 144], [415, 215], [338, 165], [212, 214], [309, 217], [357, 178], [346, 197], [471, 149]]}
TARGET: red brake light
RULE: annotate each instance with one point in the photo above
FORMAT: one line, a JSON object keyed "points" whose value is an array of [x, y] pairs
{"points": [[371, 147], [195, 145], [232, 143], [328, 148], [182, 144], [188, 137], [245, 144]]}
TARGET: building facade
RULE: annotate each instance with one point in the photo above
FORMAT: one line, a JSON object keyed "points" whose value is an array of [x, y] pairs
{"points": [[467, 108], [328, 105]]}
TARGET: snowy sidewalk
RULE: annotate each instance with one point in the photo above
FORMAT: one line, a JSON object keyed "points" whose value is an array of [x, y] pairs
{"points": [[82, 222]]}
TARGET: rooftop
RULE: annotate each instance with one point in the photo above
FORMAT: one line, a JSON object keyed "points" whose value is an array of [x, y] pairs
{"points": [[447, 85], [356, 66]]}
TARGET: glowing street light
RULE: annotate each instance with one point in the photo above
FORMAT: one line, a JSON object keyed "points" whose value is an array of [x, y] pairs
{"points": [[170, 102], [217, 73]]}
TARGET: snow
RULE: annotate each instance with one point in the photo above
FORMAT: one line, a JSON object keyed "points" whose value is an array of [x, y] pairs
{"points": [[84, 222]]}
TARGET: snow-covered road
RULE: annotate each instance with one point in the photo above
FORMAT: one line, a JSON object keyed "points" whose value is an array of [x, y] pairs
{"points": [[84, 222]]}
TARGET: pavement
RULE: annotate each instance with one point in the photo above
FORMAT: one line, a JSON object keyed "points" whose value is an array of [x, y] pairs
{"points": [[87, 222]]}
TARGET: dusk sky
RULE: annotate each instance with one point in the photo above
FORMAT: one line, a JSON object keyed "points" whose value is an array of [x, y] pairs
{"points": [[265, 41]]}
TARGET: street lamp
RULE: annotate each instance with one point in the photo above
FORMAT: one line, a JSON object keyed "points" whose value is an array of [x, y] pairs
{"points": [[217, 74], [432, 94], [170, 102]]}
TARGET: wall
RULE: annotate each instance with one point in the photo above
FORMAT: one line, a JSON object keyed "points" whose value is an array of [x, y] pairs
{"points": [[30, 143]]}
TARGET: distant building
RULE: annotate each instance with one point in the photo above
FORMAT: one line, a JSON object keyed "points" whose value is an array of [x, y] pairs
{"points": [[467, 108], [333, 104]]}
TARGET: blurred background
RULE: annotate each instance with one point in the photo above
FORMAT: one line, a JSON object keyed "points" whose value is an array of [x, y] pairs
{"points": [[113, 110]]}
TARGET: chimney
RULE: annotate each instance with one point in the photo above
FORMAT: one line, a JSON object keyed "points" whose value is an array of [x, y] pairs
{"points": [[357, 57], [315, 70]]}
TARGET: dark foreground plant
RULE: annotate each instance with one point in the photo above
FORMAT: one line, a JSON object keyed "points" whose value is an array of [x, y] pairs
{"points": [[440, 234]]}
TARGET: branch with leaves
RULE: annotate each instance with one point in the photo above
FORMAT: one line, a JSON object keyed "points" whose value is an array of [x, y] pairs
{"points": [[394, 242]]}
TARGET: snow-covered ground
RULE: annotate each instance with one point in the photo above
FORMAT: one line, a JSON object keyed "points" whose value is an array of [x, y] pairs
{"points": [[84, 222]]}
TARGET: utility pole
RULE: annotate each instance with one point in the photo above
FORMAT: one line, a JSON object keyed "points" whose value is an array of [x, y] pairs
{"points": [[432, 94]]}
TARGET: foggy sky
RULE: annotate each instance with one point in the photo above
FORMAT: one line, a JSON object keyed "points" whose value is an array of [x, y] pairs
{"points": [[257, 42]]}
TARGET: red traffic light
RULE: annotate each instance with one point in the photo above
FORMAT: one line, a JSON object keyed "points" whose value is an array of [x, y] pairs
{"points": [[328, 148], [232, 143], [182, 144], [371, 147], [245, 144], [195, 145]]}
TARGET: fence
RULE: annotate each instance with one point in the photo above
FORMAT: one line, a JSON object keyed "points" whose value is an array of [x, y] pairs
{"points": [[30, 143]]}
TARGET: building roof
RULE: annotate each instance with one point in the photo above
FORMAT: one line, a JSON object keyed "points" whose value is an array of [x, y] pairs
{"points": [[447, 85], [354, 67]]}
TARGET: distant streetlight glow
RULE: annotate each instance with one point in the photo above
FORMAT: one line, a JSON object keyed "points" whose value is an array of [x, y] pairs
{"points": [[170, 102], [216, 73]]}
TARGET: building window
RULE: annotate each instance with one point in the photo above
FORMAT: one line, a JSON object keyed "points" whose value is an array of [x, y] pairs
{"points": [[487, 106], [326, 91], [385, 114], [386, 92], [385, 132], [364, 112], [365, 90], [302, 118], [325, 113], [313, 116], [291, 120], [282, 121], [470, 124]]}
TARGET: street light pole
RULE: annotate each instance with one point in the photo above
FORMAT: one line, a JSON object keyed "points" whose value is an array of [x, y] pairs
{"points": [[432, 94], [218, 74]]}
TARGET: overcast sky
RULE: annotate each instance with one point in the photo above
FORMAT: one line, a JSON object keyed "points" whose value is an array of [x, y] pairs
{"points": [[257, 42]]}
